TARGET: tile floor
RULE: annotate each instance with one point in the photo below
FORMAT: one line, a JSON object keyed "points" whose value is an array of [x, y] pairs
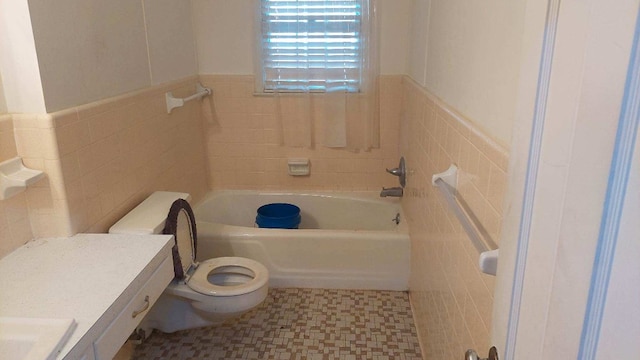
{"points": [[302, 324]]}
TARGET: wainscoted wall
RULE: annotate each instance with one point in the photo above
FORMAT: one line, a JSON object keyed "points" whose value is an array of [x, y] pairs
{"points": [[116, 152], [245, 152], [452, 300], [37, 146], [15, 228], [103, 158]]}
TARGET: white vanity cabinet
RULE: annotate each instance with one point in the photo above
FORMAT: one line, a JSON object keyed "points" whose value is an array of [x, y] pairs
{"points": [[106, 283], [118, 331]]}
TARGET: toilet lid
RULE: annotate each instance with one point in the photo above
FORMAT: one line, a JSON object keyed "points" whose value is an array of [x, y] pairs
{"points": [[199, 280], [182, 225]]}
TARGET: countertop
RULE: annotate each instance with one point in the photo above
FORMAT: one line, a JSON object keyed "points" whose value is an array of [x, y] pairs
{"points": [[87, 277]]}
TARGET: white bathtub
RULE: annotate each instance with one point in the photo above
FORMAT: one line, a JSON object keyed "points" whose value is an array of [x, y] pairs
{"points": [[345, 241]]}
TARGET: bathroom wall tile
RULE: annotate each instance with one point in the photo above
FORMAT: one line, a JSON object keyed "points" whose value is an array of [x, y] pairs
{"points": [[36, 143], [451, 298], [73, 137], [32, 121], [65, 117], [101, 106], [7, 138], [33, 139], [108, 123], [497, 185], [247, 139], [70, 166], [92, 156], [14, 211], [103, 158]]}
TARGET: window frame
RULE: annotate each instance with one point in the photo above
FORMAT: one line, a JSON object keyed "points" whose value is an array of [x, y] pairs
{"points": [[268, 84]]}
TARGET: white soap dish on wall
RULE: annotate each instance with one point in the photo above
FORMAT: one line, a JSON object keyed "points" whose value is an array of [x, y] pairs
{"points": [[298, 167], [15, 177]]}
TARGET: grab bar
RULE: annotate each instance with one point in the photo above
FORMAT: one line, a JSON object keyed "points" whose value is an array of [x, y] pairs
{"points": [[446, 184], [174, 102]]}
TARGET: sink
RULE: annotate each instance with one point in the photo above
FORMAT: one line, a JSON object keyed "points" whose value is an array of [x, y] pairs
{"points": [[33, 338]]}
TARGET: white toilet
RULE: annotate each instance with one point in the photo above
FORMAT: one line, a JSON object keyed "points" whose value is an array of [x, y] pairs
{"points": [[202, 294]]}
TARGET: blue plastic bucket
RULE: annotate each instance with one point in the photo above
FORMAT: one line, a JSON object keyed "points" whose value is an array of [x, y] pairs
{"points": [[278, 216]]}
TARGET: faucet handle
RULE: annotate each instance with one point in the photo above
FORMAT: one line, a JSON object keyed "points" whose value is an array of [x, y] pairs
{"points": [[400, 171], [395, 171]]}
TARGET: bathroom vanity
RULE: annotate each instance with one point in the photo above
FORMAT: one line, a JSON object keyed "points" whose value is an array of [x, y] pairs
{"points": [[104, 283]]}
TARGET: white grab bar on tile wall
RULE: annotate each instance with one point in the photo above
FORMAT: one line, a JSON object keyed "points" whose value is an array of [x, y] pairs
{"points": [[174, 102], [446, 184]]}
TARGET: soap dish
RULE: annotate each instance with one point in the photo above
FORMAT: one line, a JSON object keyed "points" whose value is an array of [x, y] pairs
{"points": [[15, 177], [298, 166]]}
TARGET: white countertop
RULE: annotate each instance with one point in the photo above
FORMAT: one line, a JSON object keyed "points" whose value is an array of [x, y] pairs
{"points": [[87, 277]]}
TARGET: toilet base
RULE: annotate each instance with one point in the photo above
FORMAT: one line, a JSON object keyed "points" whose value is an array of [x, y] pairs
{"points": [[173, 313], [170, 314]]}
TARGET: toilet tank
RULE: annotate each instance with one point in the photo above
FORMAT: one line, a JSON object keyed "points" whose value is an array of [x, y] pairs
{"points": [[149, 216]]}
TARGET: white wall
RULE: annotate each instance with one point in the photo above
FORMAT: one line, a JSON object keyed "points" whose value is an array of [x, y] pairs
{"points": [[89, 50], [417, 59], [468, 54], [225, 35], [394, 18], [171, 41], [18, 60]]}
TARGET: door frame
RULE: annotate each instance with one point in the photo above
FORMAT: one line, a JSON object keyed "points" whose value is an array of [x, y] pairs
{"points": [[555, 216]]}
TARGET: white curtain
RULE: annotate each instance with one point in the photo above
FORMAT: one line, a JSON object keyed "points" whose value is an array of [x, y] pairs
{"points": [[320, 60]]}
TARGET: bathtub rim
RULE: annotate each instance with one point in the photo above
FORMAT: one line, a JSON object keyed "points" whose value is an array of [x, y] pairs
{"points": [[363, 196]]}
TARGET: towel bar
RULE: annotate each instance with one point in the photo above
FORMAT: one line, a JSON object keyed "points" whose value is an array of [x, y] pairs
{"points": [[174, 102], [446, 183]]}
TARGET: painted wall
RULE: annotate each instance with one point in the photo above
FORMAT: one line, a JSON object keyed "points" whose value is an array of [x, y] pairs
{"points": [[468, 55], [103, 158], [91, 50], [102, 154], [18, 59], [225, 35]]}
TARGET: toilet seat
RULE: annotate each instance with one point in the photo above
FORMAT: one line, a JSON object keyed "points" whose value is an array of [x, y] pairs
{"points": [[199, 280], [181, 224]]}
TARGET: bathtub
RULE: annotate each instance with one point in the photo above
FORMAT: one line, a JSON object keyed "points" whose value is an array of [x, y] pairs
{"points": [[345, 241]]}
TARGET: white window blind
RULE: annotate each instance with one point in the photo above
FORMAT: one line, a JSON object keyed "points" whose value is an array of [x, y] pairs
{"points": [[311, 45]]}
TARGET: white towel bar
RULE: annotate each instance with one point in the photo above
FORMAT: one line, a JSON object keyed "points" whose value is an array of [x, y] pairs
{"points": [[446, 183], [174, 102]]}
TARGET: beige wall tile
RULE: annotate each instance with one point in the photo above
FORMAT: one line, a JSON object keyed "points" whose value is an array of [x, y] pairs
{"points": [[15, 227], [109, 155], [246, 142], [100, 160], [30, 137], [452, 300], [73, 136], [7, 138]]}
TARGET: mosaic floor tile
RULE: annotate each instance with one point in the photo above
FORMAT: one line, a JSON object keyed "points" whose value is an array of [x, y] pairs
{"points": [[302, 324]]}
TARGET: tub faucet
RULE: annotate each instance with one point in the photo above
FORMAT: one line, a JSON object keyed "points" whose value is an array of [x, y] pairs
{"points": [[393, 191]]}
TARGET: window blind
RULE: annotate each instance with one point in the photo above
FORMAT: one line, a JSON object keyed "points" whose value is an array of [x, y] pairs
{"points": [[311, 45]]}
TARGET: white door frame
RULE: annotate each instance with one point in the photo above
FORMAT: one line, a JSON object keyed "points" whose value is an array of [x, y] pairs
{"points": [[572, 85]]}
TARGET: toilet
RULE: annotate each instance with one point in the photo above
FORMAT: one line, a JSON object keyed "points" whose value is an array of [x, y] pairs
{"points": [[202, 293]]}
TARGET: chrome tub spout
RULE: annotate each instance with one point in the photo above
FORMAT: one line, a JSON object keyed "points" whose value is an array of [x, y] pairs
{"points": [[393, 191]]}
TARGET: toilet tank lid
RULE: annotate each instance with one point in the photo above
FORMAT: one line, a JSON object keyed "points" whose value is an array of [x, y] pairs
{"points": [[150, 215]]}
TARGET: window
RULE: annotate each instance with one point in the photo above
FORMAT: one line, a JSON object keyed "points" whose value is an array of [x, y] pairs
{"points": [[311, 45]]}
